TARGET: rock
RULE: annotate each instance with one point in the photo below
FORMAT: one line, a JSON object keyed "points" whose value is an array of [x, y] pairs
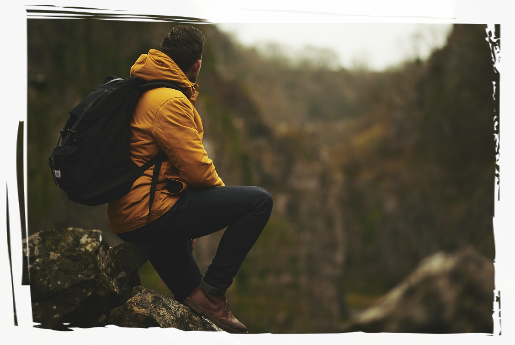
{"points": [[74, 277], [128, 257], [59, 287], [445, 294], [147, 308]]}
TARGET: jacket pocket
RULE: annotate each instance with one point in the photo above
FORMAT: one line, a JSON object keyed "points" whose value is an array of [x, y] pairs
{"points": [[175, 186]]}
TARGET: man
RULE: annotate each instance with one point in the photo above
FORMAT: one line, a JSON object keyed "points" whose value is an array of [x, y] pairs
{"points": [[190, 200]]}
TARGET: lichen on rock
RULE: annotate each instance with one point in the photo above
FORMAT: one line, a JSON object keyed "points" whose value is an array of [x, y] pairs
{"points": [[147, 308]]}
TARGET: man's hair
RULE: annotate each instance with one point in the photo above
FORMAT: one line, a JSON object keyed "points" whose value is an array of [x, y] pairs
{"points": [[184, 44]]}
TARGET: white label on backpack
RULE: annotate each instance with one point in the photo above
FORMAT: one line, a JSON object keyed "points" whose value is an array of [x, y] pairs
{"points": [[57, 173]]}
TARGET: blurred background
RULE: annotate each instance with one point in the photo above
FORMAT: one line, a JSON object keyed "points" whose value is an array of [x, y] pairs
{"points": [[373, 165]]}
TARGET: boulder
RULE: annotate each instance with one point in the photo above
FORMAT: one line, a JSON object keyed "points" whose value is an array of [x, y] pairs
{"points": [[447, 293], [147, 308], [58, 287]]}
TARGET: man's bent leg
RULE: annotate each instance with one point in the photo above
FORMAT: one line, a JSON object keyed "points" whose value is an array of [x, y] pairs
{"points": [[243, 210]]}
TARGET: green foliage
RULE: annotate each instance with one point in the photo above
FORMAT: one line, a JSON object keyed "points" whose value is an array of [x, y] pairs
{"points": [[370, 227], [229, 150], [150, 278], [267, 290]]}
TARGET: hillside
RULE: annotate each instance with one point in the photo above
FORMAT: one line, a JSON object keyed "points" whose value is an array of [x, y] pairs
{"points": [[403, 170]]}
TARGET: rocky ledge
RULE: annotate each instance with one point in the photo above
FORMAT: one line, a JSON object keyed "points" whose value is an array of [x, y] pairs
{"points": [[76, 280]]}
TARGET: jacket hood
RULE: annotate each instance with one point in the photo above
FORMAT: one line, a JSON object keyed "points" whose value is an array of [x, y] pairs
{"points": [[156, 65]]}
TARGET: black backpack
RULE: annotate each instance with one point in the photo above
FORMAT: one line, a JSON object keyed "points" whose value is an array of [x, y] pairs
{"points": [[91, 161]]}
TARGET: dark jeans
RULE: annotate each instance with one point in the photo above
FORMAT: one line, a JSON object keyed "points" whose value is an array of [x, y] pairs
{"points": [[200, 212]]}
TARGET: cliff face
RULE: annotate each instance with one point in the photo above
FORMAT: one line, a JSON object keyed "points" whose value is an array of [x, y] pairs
{"points": [[427, 169]]}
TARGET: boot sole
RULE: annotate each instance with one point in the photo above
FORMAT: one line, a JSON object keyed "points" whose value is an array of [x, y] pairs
{"points": [[198, 309]]}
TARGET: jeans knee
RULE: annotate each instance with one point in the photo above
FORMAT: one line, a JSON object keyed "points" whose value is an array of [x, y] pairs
{"points": [[266, 199]]}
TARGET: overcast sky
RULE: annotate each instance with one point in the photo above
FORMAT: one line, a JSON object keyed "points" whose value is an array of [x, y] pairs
{"points": [[369, 33]]}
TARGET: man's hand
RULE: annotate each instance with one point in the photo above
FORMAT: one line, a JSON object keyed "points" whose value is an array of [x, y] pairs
{"points": [[192, 244]]}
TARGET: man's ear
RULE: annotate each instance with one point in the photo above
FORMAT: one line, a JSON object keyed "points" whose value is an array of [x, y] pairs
{"points": [[194, 70], [196, 66]]}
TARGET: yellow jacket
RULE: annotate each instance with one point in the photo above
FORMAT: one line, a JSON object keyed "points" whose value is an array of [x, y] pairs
{"points": [[164, 119]]}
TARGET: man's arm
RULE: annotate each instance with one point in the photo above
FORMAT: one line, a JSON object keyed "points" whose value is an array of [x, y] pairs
{"points": [[175, 131]]}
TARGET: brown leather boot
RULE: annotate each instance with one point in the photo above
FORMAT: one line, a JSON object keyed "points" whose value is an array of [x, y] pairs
{"points": [[215, 308]]}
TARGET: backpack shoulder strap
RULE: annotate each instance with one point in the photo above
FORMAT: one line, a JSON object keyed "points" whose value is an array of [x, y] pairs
{"points": [[154, 84], [157, 160]]}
